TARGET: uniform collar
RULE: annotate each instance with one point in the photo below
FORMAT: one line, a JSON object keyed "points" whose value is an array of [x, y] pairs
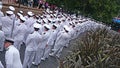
{"points": [[8, 47]]}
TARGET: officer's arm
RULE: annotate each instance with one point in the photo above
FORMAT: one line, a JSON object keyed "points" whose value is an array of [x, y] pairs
{"points": [[28, 40], [49, 40]]}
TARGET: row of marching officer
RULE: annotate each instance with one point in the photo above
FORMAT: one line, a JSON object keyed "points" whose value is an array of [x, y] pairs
{"points": [[43, 35], [37, 36]]}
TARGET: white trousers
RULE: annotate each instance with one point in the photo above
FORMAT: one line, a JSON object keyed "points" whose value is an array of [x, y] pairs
{"points": [[47, 51], [57, 50], [38, 55], [28, 59]]}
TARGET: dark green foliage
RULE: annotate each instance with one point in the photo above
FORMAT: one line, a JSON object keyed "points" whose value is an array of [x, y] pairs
{"points": [[102, 10]]}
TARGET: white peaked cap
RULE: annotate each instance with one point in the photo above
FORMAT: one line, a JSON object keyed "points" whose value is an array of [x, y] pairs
{"points": [[66, 28], [55, 25], [47, 26], [51, 11], [41, 16], [22, 18], [9, 12], [50, 19], [36, 25], [45, 20], [11, 8], [54, 14], [39, 21], [30, 13], [51, 14], [54, 20], [21, 12], [9, 39]]}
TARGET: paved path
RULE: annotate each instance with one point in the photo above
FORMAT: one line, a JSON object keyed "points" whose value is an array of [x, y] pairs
{"points": [[51, 62]]}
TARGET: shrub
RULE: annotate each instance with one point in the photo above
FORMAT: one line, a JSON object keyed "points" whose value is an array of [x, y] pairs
{"points": [[98, 48]]}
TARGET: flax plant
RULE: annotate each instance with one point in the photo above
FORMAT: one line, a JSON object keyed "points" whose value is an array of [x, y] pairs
{"points": [[98, 48]]}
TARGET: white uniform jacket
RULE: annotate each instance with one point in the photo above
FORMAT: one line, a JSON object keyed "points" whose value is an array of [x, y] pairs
{"points": [[12, 58], [62, 39], [52, 37], [7, 24], [45, 37], [20, 32], [33, 40]]}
